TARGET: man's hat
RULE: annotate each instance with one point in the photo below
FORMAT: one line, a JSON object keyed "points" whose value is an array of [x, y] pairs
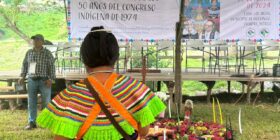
{"points": [[38, 37]]}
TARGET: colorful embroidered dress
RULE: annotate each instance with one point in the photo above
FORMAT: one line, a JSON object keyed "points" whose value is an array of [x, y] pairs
{"points": [[69, 109]]}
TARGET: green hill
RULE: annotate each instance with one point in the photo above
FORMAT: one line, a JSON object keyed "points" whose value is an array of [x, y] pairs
{"points": [[51, 24]]}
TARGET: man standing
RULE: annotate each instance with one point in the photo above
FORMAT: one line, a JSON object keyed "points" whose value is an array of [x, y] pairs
{"points": [[38, 64]]}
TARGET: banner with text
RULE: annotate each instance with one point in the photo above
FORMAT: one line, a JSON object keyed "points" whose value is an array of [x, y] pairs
{"points": [[250, 19], [156, 19], [134, 19], [232, 19]]}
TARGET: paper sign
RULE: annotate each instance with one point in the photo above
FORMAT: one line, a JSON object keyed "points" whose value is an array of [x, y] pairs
{"points": [[32, 68]]}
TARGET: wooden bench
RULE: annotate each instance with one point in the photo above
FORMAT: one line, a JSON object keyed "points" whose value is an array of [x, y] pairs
{"points": [[13, 100], [10, 97], [16, 96], [7, 88], [9, 92]]}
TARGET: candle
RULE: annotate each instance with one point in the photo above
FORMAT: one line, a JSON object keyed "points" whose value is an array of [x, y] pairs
{"points": [[169, 107], [214, 113], [239, 121], [156, 128], [164, 134], [220, 110]]}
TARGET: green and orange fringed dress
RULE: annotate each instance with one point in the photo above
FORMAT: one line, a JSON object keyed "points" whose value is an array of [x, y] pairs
{"points": [[69, 109]]}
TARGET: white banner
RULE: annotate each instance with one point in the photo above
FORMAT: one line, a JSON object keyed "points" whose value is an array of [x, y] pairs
{"points": [[128, 19], [249, 19], [156, 19]]}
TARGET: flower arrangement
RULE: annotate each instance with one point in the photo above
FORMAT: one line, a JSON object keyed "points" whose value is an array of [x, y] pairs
{"points": [[189, 130], [196, 131], [208, 130], [156, 134]]}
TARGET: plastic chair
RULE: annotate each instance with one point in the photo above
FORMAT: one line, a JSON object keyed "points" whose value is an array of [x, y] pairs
{"points": [[247, 50], [165, 51], [138, 50], [269, 51], [195, 50], [53, 50], [124, 48], [71, 54], [221, 56]]}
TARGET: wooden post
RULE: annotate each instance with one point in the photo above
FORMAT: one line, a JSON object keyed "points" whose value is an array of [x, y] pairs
{"points": [[262, 87], [243, 88], [210, 85], [249, 93], [229, 86], [12, 102], [158, 85], [178, 70], [251, 84]]}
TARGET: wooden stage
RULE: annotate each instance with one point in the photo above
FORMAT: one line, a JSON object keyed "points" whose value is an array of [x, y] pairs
{"points": [[207, 78], [164, 76]]}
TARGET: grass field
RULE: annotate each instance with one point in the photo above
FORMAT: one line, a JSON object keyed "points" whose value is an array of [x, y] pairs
{"points": [[258, 123]]}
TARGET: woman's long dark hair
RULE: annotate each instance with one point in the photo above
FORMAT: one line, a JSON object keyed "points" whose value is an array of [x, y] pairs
{"points": [[99, 48]]}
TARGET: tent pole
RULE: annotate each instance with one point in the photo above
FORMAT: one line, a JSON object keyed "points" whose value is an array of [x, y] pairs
{"points": [[178, 58]]}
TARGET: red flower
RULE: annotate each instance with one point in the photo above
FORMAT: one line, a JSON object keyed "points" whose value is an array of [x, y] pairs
{"points": [[229, 135]]}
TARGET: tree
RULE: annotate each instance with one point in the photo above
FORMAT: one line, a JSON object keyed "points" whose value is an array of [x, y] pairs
{"points": [[9, 12]]}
